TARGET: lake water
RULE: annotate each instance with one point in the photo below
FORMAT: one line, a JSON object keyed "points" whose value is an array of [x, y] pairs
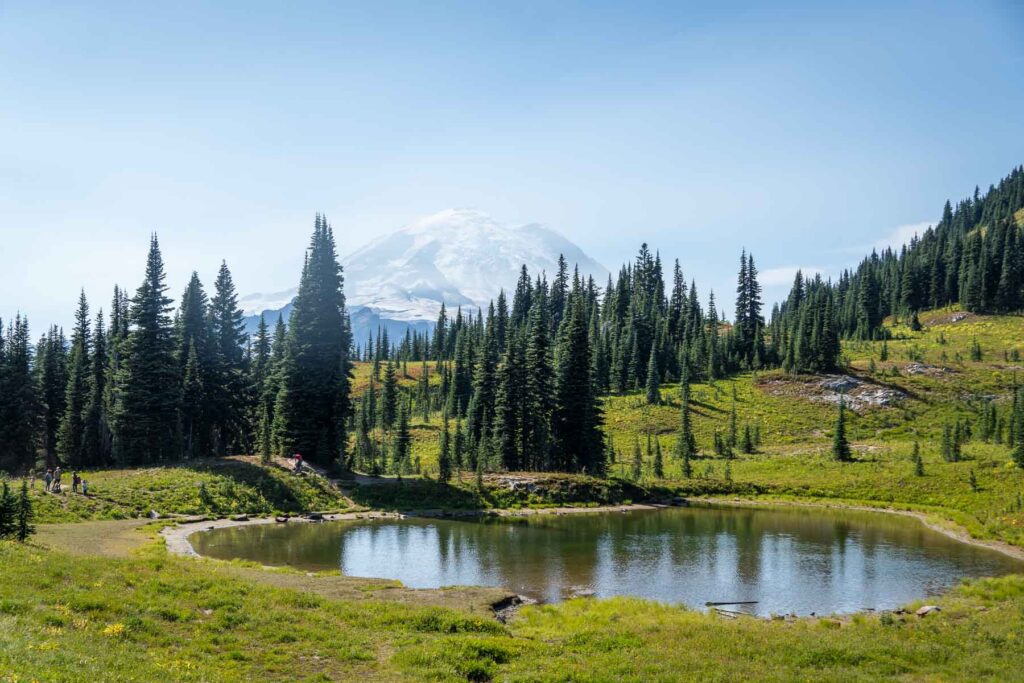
{"points": [[788, 560]]}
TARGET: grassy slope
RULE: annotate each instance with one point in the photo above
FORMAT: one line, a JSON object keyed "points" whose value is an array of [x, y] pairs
{"points": [[218, 487]]}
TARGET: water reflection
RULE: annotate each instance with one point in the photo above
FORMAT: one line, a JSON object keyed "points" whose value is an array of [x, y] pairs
{"points": [[788, 560]]}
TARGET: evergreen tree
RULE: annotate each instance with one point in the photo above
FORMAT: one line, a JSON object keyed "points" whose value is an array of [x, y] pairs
{"points": [[96, 428], [540, 389], [227, 335], [659, 464], [840, 446], [402, 441], [8, 511], [686, 444], [146, 427], [76, 397], [747, 445], [19, 403], [313, 400], [24, 527], [389, 397], [444, 458], [577, 416], [638, 461], [192, 404], [51, 377], [1018, 455], [653, 394], [918, 462]]}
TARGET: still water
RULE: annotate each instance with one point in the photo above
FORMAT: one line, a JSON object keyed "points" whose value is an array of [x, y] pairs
{"points": [[787, 560]]}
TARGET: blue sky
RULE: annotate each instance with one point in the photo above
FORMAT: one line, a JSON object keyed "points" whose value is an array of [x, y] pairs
{"points": [[804, 133]]}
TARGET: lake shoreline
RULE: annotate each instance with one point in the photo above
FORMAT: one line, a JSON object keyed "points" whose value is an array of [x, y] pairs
{"points": [[176, 537], [932, 521]]}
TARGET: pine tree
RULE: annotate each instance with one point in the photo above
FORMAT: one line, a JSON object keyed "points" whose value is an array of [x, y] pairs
{"points": [[8, 511], [146, 427], [638, 461], [389, 397], [659, 464], [51, 378], [402, 441], [918, 462], [444, 457], [96, 429], [686, 444], [653, 394], [1018, 454], [313, 401], [577, 416], [540, 387], [19, 401], [76, 397], [747, 445], [840, 446], [227, 335], [192, 403], [24, 527]]}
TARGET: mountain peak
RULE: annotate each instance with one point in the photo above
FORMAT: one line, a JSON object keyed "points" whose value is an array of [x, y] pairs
{"points": [[461, 257]]}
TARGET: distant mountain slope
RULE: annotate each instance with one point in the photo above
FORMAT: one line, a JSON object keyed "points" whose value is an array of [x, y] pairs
{"points": [[461, 257]]}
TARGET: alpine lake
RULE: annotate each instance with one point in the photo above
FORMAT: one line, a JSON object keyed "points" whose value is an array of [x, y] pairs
{"points": [[760, 560]]}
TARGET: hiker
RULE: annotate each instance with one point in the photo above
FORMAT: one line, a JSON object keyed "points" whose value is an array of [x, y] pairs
{"points": [[85, 488], [56, 476], [298, 463], [32, 475], [75, 481], [48, 479]]}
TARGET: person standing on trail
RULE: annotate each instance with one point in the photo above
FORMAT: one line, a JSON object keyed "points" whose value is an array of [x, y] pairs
{"points": [[75, 481], [48, 479], [85, 488], [298, 462]]}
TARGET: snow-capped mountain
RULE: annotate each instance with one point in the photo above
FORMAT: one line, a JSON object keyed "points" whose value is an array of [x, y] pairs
{"points": [[461, 257]]}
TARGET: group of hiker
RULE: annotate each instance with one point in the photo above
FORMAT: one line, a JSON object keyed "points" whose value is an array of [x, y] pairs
{"points": [[53, 484]]}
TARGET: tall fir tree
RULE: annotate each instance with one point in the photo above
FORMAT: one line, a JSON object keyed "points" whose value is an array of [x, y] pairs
{"points": [[146, 426], [314, 400], [71, 432]]}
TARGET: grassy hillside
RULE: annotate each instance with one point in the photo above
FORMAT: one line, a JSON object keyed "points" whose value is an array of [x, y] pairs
{"points": [[209, 487]]}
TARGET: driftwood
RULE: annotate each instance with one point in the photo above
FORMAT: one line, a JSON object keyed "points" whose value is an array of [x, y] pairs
{"points": [[733, 602]]}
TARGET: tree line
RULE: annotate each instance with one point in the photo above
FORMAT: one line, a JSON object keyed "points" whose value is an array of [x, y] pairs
{"points": [[974, 257], [148, 383], [517, 387]]}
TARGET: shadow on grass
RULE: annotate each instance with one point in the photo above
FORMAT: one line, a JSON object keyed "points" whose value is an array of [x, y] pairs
{"points": [[275, 490], [411, 494]]}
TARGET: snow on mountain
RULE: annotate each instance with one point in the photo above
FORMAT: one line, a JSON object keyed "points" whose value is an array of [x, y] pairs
{"points": [[462, 257]]}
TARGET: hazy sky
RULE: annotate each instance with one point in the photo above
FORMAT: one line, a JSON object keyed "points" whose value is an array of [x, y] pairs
{"points": [[803, 133]]}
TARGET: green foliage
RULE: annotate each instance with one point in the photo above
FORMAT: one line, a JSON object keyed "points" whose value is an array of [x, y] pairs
{"points": [[840, 446]]}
